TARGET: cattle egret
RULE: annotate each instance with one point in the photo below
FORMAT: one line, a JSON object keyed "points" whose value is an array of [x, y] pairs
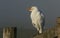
{"points": [[36, 18]]}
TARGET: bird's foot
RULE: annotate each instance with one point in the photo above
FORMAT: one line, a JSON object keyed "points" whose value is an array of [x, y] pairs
{"points": [[39, 33]]}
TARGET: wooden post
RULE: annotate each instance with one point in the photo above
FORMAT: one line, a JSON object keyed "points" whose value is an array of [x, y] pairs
{"points": [[49, 33], [57, 29], [9, 32]]}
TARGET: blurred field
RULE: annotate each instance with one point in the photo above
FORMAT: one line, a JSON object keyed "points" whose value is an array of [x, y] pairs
{"points": [[25, 33], [28, 33]]}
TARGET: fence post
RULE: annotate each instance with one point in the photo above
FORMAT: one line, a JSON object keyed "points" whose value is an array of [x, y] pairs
{"points": [[9, 32]]}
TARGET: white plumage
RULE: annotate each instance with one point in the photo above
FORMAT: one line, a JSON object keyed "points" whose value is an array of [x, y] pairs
{"points": [[36, 18]]}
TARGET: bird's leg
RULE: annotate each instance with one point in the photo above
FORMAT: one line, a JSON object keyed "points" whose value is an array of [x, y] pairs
{"points": [[35, 25], [40, 29]]}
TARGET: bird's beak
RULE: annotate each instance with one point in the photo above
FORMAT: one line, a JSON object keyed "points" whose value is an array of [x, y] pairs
{"points": [[29, 9]]}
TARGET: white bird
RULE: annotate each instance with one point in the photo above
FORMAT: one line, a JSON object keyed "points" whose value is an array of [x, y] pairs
{"points": [[37, 18]]}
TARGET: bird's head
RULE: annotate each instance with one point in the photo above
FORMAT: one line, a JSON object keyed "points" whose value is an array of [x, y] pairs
{"points": [[33, 8]]}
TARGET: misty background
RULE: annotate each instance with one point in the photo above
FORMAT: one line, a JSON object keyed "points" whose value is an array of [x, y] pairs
{"points": [[13, 13]]}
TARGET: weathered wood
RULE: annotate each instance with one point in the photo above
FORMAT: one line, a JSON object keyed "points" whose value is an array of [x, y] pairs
{"points": [[57, 28], [9, 32], [58, 20], [49, 33]]}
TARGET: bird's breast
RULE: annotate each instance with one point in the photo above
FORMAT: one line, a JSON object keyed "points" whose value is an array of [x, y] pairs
{"points": [[35, 17]]}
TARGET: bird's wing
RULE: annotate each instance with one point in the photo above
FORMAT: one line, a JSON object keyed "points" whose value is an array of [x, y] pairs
{"points": [[42, 15], [43, 19]]}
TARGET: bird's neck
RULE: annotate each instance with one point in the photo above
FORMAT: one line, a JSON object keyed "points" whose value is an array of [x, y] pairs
{"points": [[34, 11]]}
